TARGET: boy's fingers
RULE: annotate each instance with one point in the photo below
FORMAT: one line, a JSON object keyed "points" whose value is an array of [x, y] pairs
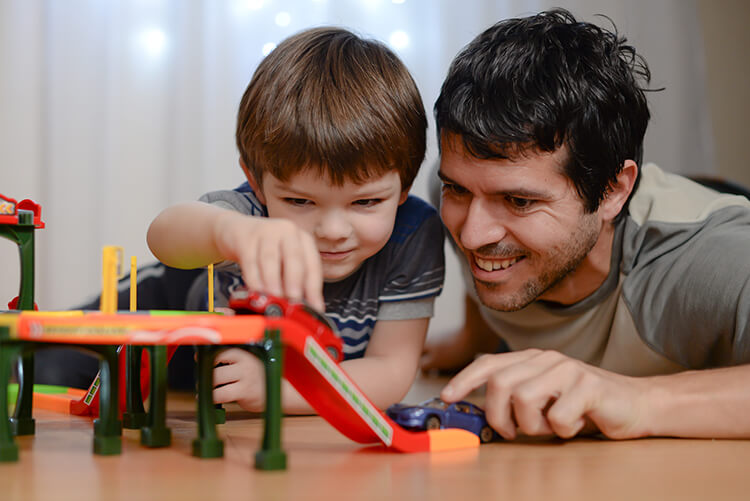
{"points": [[269, 265], [313, 280], [292, 268]]}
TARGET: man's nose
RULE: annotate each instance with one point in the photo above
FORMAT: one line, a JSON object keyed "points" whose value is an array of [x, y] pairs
{"points": [[484, 224], [333, 225]]}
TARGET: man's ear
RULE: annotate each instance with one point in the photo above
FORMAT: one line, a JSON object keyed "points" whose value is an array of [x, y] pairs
{"points": [[253, 183], [619, 191]]}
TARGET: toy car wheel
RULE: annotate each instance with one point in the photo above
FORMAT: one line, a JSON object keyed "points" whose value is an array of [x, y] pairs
{"points": [[432, 423], [273, 310], [333, 352], [486, 434]]}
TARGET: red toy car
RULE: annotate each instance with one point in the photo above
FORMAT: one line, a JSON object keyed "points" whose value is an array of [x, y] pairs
{"points": [[244, 301]]}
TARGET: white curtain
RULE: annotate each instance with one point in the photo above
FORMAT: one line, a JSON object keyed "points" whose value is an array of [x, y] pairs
{"points": [[111, 110]]}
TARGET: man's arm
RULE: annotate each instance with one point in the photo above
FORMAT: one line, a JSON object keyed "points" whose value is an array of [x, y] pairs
{"points": [[544, 392], [460, 348], [384, 374]]}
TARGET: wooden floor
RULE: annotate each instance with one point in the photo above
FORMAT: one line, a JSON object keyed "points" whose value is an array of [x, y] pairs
{"points": [[57, 463]]}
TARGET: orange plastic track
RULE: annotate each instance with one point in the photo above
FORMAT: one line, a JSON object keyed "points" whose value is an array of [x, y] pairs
{"points": [[307, 365]]}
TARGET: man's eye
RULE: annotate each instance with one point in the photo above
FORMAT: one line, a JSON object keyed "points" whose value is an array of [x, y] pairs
{"points": [[297, 201], [520, 203], [367, 202], [453, 189]]}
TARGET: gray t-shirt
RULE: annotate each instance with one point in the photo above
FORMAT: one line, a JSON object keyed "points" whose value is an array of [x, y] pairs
{"points": [[678, 292], [399, 282]]}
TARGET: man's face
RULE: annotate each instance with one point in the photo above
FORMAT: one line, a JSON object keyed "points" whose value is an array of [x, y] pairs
{"points": [[350, 223], [519, 223]]}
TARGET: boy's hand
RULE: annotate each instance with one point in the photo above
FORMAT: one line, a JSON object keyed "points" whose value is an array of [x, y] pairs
{"points": [[241, 380], [275, 255]]}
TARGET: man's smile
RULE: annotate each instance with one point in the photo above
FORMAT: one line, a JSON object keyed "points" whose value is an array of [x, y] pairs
{"points": [[495, 264]]}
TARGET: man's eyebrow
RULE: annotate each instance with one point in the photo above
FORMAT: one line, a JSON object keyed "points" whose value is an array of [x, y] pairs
{"points": [[516, 192], [444, 178]]}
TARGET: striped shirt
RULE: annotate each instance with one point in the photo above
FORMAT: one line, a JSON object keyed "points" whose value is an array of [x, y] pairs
{"points": [[399, 282]]}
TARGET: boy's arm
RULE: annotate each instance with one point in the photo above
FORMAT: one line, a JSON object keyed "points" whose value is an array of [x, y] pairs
{"points": [[275, 256], [384, 374], [182, 236]]}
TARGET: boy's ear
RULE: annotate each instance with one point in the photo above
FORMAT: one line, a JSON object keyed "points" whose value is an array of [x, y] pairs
{"points": [[403, 197], [253, 183], [619, 191]]}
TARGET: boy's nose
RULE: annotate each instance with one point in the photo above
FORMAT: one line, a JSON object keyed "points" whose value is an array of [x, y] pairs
{"points": [[333, 225]]}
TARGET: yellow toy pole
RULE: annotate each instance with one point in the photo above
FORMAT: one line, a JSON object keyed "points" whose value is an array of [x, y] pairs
{"points": [[211, 287], [133, 284], [111, 271]]}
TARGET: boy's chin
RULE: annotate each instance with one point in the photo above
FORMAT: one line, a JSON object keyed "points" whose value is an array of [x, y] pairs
{"points": [[337, 273]]}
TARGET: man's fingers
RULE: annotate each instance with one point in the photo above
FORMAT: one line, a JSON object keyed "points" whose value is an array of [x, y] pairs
{"points": [[478, 372]]}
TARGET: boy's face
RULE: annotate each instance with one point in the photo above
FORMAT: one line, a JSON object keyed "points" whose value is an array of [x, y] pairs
{"points": [[350, 223]]}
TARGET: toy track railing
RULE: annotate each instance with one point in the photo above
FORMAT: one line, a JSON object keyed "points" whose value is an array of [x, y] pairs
{"points": [[285, 347]]}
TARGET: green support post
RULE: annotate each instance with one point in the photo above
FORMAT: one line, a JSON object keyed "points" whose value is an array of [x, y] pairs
{"points": [[8, 352], [208, 444], [22, 234], [156, 433], [271, 456], [134, 416], [108, 427]]}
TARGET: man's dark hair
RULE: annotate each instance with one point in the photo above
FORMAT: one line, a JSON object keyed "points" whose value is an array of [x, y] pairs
{"points": [[541, 82]]}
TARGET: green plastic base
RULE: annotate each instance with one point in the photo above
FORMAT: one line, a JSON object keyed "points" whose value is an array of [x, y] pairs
{"points": [[208, 448], [156, 437], [107, 446], [20, 427], [134, 420], [270, 460], [8, 453], [221, 415]]}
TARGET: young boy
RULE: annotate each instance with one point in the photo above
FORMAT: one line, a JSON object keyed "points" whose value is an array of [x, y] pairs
{"points": [[331, 134]]}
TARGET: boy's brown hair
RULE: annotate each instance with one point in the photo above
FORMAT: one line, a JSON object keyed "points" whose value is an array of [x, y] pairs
{"points": [[329, 100]]}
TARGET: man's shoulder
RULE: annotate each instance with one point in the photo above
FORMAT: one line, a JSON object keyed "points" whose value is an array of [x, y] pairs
{"points": [[663, 197]]}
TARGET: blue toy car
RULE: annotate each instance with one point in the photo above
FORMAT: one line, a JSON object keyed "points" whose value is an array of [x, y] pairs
{"points": [[435, 413]]}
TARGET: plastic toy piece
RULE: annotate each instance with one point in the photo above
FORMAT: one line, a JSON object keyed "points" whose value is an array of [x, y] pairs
{"points": [[435, 414], [18, 221]]}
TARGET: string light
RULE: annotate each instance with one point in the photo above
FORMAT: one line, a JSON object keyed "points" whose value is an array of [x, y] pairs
{"points": [[283, 19], [152, 41], [399, 39], [268, 47]]}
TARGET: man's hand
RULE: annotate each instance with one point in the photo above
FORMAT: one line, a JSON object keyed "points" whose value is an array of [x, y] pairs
{"points": [[544, 392], [241, 379]]}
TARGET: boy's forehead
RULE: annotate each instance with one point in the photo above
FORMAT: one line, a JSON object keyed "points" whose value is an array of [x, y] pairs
{"points": [[374, 180]]}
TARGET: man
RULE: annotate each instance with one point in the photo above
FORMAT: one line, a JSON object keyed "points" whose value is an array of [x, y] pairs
{"points": [[622, 291]]}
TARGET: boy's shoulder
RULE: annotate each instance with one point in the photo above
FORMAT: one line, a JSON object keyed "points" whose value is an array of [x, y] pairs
{"points": [[412, 215], [241, 199]]}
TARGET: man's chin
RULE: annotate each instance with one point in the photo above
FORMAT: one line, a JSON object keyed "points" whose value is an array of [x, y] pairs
{"points": [[492, 297]]}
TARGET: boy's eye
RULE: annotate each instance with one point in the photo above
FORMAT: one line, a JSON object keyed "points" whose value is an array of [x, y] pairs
{"points": [[297, 201], [367, 202]]}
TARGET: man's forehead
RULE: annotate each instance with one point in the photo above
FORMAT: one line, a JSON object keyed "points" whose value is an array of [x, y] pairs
{"points": [[507, 155]]}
